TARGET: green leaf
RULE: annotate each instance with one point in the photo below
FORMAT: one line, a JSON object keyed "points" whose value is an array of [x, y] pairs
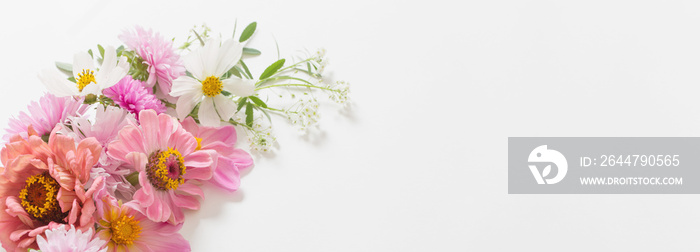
{"points": [[250, 76], [65, 67], [249, 115], [102, 50], [235, 72], [257, 101], [272, 69], [241, 103], [90, 52], [226, 93], [120, 49], [250, 51], [248, 31]]}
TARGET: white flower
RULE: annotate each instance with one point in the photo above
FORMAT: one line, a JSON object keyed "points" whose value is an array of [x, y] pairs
{"points": [[207, 65], [305, 114], [60, 240], [88, 79]]}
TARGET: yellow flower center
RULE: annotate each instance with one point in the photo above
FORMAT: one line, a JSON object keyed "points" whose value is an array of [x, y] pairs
{"points": [[85, 78], [125, 230], [199, 143], [38, 198], [212, 86], [165, 169]]}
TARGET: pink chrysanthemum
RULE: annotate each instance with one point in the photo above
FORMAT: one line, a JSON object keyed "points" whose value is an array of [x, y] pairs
{"points": [[104, 128], [45, 114], [42, 186], [164, 65], [71, 240], [132, 96], [169, 166], [228, 161], [127, 229]]}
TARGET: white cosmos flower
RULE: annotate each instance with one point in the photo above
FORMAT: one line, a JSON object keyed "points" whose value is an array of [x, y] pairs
{"points": [[207, 65], [88, 79]]}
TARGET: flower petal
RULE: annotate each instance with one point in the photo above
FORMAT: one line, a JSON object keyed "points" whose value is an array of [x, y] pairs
{"points": [[82, 61], [193, 63], [207, 113], [239, 87], [228, 56], [184, 85], [57, 84], [225, 106], [186, 103]]}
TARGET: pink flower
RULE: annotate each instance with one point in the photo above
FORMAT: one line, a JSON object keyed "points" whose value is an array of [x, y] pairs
{"points": [[71, 240], [44, 115], [132, 96], [127, 229], [164, 65], [42, 186], [228, 161], [165, 156], [108, 121]]}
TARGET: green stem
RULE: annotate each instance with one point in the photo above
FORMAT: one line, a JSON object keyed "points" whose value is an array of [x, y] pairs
{"points": [[295, 85]]}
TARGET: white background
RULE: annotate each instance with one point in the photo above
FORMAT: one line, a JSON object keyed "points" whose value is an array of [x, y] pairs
{"points": [[419, 161]]}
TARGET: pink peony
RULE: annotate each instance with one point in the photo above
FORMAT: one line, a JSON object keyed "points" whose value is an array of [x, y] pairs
{"points": [[164, 65], [228, 161], [42, 186], [127, 229], [44, 115], [165, 156], [132, 96], [71, 240]]}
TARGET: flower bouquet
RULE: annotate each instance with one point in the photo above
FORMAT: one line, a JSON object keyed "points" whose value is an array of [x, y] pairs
{"points": [[126, 136]]}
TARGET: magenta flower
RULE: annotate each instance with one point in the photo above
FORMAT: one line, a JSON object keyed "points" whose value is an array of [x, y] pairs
{"points": [[228, 161], [45, 114], [169, 166], [132, 96], [164, 65], [127, 229]]}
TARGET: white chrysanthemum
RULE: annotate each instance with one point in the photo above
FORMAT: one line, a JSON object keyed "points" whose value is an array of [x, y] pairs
{"points": [[89, 80], [62, 240], [207, 65]]}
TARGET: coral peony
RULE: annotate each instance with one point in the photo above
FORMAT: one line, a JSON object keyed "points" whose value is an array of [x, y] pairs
{"points": [[42, 186]]}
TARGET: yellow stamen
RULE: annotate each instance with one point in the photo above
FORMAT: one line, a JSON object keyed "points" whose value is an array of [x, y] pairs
{"points": [[212, 86], [159, 173], [199, 143], [125, 230], [85, 78], [38, 198]]}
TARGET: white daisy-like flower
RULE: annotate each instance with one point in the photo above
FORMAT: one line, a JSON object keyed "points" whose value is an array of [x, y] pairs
{"points": [[89, 80], [207, 65]]}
